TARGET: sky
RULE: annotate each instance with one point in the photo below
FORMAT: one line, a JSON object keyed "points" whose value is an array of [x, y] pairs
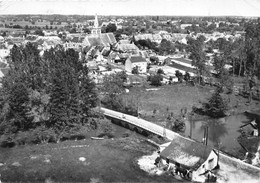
{"points": [[134, 7]]}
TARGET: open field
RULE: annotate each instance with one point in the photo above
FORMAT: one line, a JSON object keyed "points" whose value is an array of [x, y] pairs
{"points": [[110, 160], [175, 97], [168, 97]]}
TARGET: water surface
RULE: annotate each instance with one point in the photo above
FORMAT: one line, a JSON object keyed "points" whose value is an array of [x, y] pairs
{"points": [[222, 132]]}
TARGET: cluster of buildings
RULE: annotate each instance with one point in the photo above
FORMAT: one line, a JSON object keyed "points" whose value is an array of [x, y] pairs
{"points": [[102, 49]]}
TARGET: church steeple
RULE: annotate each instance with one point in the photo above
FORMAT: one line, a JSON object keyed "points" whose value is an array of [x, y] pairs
{"points": [[96, 30], [96, 22]]}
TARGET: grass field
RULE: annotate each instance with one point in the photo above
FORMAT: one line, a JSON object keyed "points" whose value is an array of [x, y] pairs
{"points": [[175, 97], [171, 97], [105, 161]]}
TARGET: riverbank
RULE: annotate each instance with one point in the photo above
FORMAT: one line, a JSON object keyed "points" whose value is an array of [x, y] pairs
{"points": [[109, 160]]}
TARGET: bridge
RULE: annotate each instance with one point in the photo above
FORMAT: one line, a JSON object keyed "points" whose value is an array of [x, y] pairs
{"points": [[230, 163], [141, 123]]}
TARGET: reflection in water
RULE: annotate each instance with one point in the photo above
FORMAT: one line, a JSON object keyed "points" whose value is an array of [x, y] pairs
{"points": [[222, 133], [217, 129]]}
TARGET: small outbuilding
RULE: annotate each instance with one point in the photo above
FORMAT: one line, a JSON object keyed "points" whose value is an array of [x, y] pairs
{"points": [[250, 129]]}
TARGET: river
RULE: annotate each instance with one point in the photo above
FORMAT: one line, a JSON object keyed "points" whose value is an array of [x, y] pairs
{"points": [[222, 133]]}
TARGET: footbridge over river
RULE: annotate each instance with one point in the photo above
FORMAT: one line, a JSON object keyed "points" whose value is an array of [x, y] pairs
{"points": [[231, 164]]}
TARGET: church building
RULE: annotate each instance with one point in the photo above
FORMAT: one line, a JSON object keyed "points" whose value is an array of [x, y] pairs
{"points": [[96, 38]]}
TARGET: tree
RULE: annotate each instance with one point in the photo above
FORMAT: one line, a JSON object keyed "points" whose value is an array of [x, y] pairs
{"points": [[52, 92], [18, 107], [160, 71], [143, 30], [216, 106], [252, 49], [197, 55], [73, 30], [238, 56], [86, 30], [154, 60], [135, 70], [219, 63], [114, 94], [179, 125], [222, 73], [156, 80], [166, 47], [187, 76], [39, 32], [176, 123], [111, 28], [179, 75]]}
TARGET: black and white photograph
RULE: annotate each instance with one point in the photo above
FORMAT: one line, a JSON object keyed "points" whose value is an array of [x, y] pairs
{"points": [[136, 91]]}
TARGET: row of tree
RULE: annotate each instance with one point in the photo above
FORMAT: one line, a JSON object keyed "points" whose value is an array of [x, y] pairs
{"points": [[53, 92]]}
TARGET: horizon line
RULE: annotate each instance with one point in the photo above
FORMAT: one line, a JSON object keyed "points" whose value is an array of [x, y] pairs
{"points": [[240, 16]]}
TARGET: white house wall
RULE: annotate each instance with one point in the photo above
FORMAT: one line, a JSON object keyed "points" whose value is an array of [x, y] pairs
{"points": [[208, 165], [142, 66]]}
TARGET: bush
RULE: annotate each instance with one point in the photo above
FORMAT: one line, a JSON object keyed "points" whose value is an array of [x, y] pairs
{"points": [[42, 134], [156, 80], [102, 125], [38, 135], [7, 140], [105, 126], [23, 138], [187, 76], [179, 124]]}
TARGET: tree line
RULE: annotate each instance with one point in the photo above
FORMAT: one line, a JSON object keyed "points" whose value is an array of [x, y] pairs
{"points": [[45, 98]]}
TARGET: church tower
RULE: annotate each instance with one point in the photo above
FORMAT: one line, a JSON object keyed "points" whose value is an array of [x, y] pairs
{"points": [[96, 30]]}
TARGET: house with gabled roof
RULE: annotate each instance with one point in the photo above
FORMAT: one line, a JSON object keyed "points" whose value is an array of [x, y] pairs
{"points": [[136, 61], [127, 48], [192, 156], [250, 129]]}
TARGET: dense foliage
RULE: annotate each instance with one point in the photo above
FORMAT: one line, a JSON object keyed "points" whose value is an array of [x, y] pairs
{"points": [[50, 94], [113, 94], [197, 55], [216, 106]]}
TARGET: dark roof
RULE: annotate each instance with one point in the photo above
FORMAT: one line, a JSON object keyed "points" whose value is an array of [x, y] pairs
{"points": [[105, 52], [251, 124], [251, 144], [86, 49], [135, 59], [188, 153]]}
